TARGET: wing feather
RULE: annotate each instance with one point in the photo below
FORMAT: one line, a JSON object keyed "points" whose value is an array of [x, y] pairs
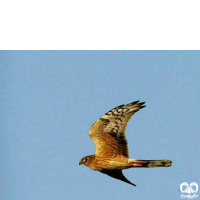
{"points": [[108, 132], [118, 175]]}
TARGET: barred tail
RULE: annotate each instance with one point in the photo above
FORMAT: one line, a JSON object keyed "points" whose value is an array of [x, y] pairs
{"points": [[150, 163]]}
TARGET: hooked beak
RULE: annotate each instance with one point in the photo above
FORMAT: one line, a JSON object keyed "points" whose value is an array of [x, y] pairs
{"points": [[80, 163]]}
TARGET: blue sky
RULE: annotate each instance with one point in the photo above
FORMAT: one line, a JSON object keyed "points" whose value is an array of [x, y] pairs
{"points": [[49, 100]]}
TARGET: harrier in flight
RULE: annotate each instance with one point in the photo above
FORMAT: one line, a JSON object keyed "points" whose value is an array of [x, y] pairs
{"points": [[112, 154]]}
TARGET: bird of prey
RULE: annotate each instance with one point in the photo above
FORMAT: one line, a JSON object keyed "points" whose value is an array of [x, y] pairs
{"points": [[112, 154]]}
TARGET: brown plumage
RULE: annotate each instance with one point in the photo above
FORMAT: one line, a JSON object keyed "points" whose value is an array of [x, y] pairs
{"points": [[112, 154]]}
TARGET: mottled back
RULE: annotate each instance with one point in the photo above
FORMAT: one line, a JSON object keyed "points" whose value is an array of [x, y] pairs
{"points": [[108, 132]]}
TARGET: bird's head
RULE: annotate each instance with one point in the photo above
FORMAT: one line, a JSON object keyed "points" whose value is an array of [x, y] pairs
{"points": [[85, 160]]}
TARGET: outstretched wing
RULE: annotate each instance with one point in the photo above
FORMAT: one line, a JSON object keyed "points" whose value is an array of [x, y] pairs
{"points": [[117, 174], [108, 132]]}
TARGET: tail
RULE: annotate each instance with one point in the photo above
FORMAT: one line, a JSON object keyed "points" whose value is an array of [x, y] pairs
{"points": [[150, 163]]}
